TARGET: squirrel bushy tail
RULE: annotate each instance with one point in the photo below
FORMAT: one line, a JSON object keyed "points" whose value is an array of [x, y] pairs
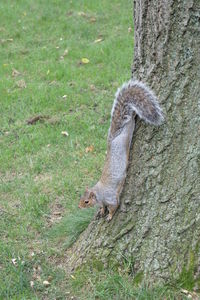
{"points": [[134, 97]]}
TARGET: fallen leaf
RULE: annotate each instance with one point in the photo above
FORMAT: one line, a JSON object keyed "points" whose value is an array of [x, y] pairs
{"points": [[14, 261], [92, 87], [190, 294], [50, 278], [39, 268], [65, 133], [85, 60], [21, 84], [82, 14], [65, 52], [46, 283], [35, 119], [185, 291], [36, 277], [89, 149], [3, 41], [92, 20], [36, 273], [15, 73], [98, 41]]}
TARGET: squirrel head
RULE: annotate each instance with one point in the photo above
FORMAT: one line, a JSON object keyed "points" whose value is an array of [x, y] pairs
{"points": [[88, 199]]}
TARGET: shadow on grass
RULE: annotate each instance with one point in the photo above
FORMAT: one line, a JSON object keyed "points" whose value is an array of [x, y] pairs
{"points": [[71, 226]]}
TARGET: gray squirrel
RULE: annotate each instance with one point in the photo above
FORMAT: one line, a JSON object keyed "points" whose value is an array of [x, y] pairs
{"points": [[133, 98]]}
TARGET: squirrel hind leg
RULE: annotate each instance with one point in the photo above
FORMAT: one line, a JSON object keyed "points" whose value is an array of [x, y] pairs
{"points": [[111, 209], [103, 211]]}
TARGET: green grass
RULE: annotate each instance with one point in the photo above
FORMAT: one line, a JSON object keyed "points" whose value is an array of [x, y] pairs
{"points": [[42, 172], [109, 284]]}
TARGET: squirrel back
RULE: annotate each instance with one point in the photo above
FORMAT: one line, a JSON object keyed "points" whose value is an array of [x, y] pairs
{"points": [[134, 97]]}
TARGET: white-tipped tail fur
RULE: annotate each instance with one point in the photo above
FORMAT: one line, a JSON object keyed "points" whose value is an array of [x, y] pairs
{"points": [[135, 96]]}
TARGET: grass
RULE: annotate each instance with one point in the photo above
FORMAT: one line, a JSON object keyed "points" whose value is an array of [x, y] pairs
{"points": [[42, 171], [109, 284]]}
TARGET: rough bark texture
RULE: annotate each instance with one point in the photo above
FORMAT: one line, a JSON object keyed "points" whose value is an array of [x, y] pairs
{"points": [[157, 227]]}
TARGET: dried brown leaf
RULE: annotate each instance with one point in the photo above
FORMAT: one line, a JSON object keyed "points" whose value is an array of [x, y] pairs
{"points": [[35, 119], [15, 73], [89, 149], [21, 84], [92, 87], [92, 20], [3, 41], [82, 14]]}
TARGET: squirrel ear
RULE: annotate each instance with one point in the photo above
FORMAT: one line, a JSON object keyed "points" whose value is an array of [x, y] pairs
{"points": [[92, 195]]}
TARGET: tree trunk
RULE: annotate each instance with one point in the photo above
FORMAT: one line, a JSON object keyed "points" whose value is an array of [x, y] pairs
{"points": [[157, 227]]}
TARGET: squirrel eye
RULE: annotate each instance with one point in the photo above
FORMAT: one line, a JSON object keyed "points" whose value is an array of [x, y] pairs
{"points": [[86, 201]]}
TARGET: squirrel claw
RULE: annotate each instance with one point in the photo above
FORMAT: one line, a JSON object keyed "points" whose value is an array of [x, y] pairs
{"points": [[109, 218]]}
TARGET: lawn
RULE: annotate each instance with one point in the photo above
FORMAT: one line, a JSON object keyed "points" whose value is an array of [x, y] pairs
{"points": [[61, 63]]}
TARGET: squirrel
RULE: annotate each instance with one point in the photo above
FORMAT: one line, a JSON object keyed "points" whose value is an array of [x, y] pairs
{"points": [[133, 98]]}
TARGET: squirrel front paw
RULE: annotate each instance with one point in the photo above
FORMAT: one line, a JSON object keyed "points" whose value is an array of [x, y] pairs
{"points": [[101, 213], [109, 217], [112, 209]]}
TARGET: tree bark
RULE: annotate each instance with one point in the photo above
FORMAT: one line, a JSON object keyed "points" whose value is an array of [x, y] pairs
{"points": [[157, 227]]}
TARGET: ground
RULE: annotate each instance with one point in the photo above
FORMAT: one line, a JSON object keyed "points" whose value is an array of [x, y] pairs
{"points": [[61, 63]]}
